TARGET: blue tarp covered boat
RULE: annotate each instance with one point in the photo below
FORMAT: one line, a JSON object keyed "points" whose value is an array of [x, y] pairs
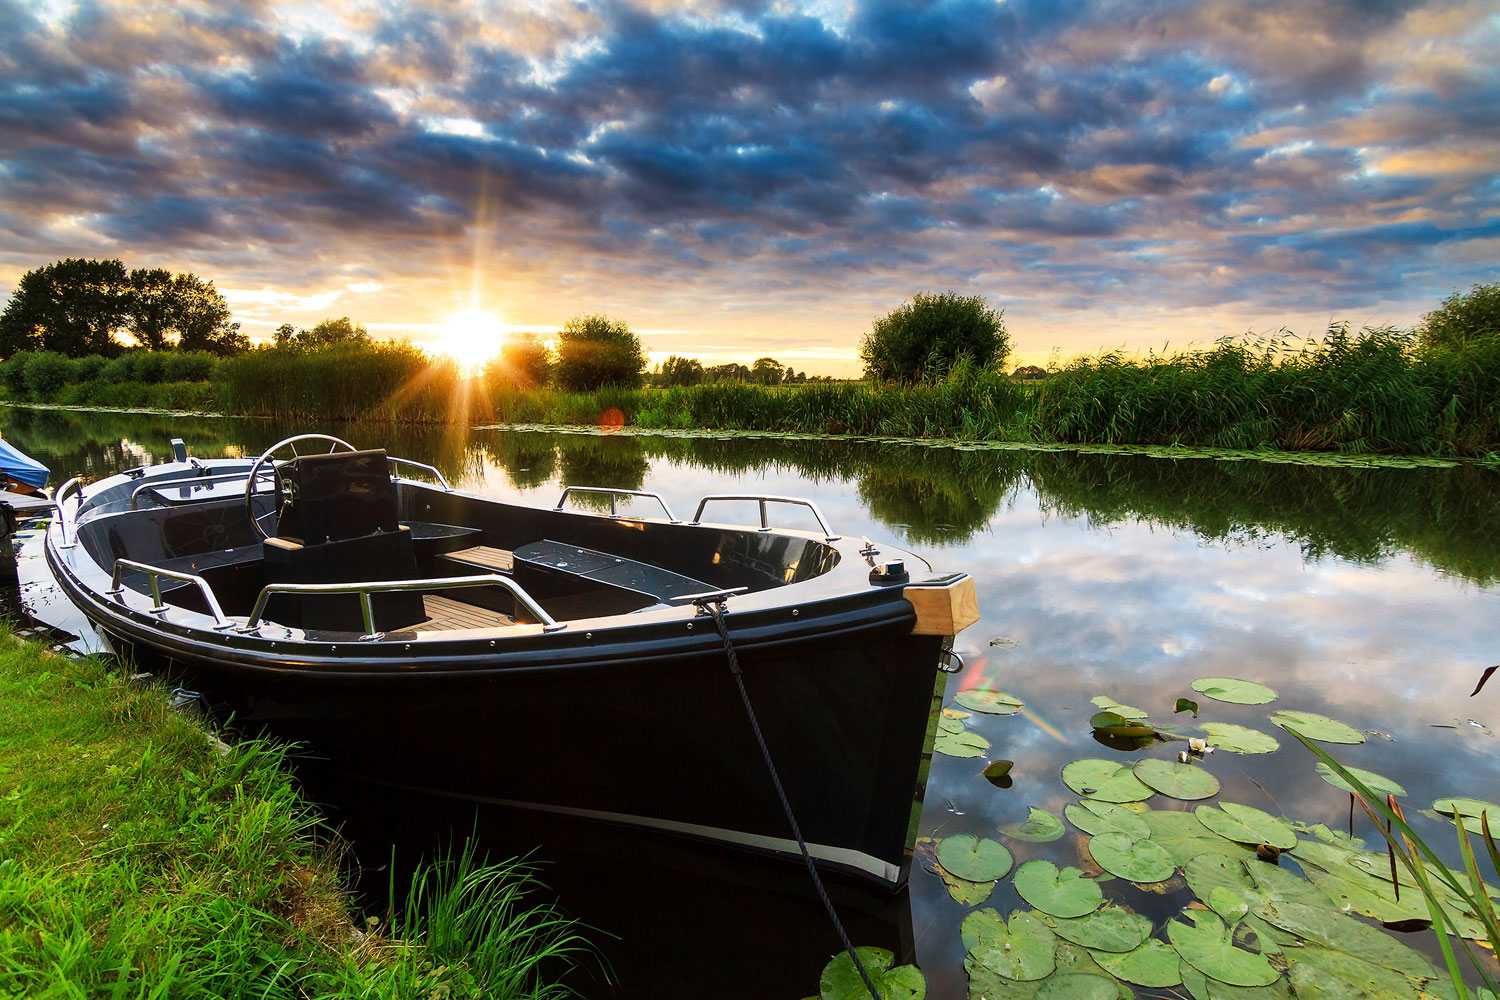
{"points": [[22, 468]]}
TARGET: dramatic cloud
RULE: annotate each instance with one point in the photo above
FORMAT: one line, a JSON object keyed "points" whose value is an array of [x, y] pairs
{"points": [[746, 177]]}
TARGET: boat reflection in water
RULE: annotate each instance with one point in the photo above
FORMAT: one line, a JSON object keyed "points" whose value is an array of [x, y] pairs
{"points": [[671, 917]]}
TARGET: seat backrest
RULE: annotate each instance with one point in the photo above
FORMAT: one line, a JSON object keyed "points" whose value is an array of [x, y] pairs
{"points": [[339, 496]]}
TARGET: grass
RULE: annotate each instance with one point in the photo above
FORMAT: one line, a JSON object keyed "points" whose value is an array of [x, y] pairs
{"points": [[141, 859]]}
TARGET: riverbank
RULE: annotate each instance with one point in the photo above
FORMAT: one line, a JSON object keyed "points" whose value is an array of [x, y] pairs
{"points": [[139, 856]]}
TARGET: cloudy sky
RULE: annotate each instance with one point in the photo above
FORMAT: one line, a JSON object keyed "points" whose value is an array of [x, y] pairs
{"points": [[739, 178]]}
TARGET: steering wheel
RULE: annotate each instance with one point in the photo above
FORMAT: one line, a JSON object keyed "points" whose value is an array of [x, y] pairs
{"points": [[283, 489]]}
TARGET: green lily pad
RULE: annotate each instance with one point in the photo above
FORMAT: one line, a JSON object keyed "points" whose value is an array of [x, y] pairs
{"points": [[1328, 928], [1106, 780], [1317, 727], [1113, 929], [1379, 785], [1134, 860], [1059, 893], [1078, 986], [973, 858], [1328, 974], [1185, 705], [1184, 838], [964, 892], [1022, 949], [1201, 987], [1151, 964], [1094, 817], [1247, 825], [950, 725], [1238, 739], [1108, 704], [964, 744], [1114, 724], [1469, 809], [989, 701], [1178, 780], [1206, 943], [996, 769], [1040, 827], [1234, 690], [842, 981]]}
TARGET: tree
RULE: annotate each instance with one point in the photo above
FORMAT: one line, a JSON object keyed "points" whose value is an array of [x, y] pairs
{"points": [[1463, 318], [682, 371], [342, 330], [182, 311], [523, 361], [73, 306], [766, 371], [595, 351], [729, 373], [926, 336]]}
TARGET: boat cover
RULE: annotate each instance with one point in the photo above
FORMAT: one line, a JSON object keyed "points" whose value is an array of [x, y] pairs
{"points": [[22, 468]]}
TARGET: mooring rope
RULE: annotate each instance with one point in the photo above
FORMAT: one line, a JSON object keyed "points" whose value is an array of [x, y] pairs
{"points": [[716, 609]]}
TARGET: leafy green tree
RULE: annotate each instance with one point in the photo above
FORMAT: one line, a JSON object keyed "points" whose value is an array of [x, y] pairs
{"points": [[682, 371], [925, 337], [73, 307], [595, 351], [729, 373], [524, 361], [766, 371], [342, 330], [1463, 319], [181, 311], [286, 334]]}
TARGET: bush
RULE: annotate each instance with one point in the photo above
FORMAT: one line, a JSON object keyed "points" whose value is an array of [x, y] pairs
{"points": [[149, 366], [1463, 319], [595, 351], [46, 373], [523, 361], [86, 369], [927, 336], [121, 369], [13, 374], [188, 366]]}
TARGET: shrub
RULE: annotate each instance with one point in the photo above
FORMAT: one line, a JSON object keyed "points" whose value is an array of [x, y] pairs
{"points": [[1463, 319], [595, 351], [188, 366], [13, 374], [121, 369], [86, 369], [925, 337], [46, 373], [149, 366], [524, 361]]}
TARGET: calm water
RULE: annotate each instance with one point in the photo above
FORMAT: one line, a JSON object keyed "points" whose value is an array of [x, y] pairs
{"points": [[1370, 595]]}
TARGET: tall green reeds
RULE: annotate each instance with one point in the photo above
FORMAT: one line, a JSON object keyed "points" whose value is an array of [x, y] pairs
{"points": [[379, 381]]}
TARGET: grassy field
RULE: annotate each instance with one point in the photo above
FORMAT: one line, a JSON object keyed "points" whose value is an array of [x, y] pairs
{"points": [[141, 859]]}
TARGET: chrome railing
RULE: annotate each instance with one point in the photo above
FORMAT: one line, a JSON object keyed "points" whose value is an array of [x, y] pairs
{"points": [[443, 480], [68, 528], [612, 493], [763, 499], [150, 485], [154, 574], [370, 587]]}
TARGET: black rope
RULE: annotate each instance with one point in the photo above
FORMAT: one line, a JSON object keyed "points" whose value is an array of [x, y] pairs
{"points": [[716, 609]]}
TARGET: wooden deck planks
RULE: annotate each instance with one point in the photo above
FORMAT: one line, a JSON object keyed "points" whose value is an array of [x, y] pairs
{"points": [[444, 614], [486, 556]]}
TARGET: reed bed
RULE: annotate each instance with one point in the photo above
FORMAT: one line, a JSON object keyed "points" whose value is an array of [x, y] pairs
{"points": [[380, 381]]}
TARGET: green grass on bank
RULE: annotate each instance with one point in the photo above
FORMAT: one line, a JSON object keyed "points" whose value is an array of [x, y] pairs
{"points": [[138, 859], [1378, 391]]}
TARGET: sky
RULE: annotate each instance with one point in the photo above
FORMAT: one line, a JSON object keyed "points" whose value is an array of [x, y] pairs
{"points": [[738, 178]]}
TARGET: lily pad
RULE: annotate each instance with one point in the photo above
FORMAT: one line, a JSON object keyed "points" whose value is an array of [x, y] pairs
{"points": [[965, 744], [1078, 986], [1328, 928], [1234, 690], [1115, 724], [1317, 727], [973, 858], [997, 769], [1113, 929], [989, 701], [1134, 860], [1381, 786], [1058, 892], [1024, 948], [1200, 987], [1185, 705], [1040, 827], [842, 981], [1247, 825], [1184, 838], [1469, 809], [1094, 817], [964, 892], [1108, 704], [1151, 964], [1239, 739], [1106, 780], [947, 724], [1206, 943], [1178, 780]]}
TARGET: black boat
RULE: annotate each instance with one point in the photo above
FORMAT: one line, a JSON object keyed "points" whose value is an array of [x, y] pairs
{"points": [[556, 659]]}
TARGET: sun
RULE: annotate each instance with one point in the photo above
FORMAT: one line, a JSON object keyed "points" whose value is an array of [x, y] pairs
{"points": [[471, 338]]}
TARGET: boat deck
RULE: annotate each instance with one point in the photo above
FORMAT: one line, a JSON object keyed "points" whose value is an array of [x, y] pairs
{"points": [[444, 614], [486, 557]]}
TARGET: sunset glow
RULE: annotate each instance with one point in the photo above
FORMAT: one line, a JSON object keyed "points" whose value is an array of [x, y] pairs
{"points": [[471, 338]]}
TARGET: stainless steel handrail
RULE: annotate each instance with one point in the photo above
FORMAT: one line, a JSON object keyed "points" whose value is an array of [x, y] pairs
{"points": [[154, 573], [187, 481], [75, 483], [365, 589], [614, 493], [763, 499], [422, 465]]}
